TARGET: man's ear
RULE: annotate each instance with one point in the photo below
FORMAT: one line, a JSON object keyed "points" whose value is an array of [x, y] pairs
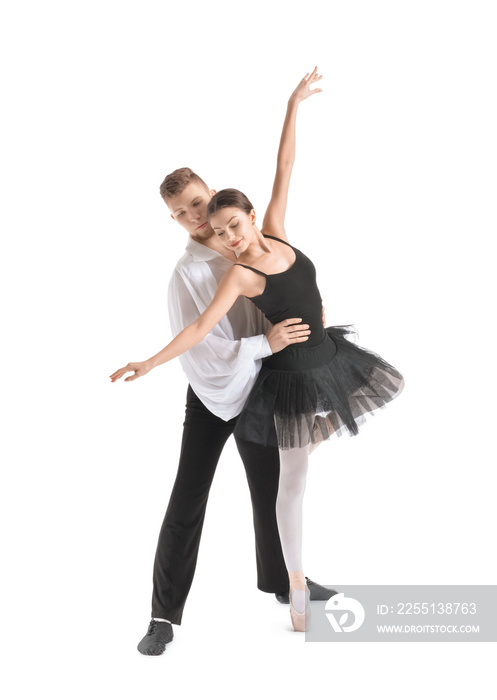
{"points": [[172, 217], [212, 193]]}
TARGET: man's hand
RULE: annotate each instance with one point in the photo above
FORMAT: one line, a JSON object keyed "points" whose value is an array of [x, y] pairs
{"points": [[323, 316], [287, 333]]}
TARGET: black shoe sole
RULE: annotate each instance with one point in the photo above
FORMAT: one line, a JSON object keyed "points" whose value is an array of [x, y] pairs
{"points": [[158, 651]]}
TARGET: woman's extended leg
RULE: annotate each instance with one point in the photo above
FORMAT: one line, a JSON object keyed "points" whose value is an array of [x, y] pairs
{"points": [[293, 472]]}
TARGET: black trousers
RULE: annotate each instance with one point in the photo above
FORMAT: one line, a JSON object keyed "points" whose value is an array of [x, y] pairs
{"points": [[204, 437]]}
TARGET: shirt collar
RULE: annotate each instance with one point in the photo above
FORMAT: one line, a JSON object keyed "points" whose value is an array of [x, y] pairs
{"points": [[200, 252]]}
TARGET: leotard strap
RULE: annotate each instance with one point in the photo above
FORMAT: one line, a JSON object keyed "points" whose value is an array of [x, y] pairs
{"points": [[251, 268], [274, 238]]}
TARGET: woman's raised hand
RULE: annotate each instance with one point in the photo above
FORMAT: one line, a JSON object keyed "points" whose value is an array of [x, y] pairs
{"points": [[303, 89], [139, 369]]}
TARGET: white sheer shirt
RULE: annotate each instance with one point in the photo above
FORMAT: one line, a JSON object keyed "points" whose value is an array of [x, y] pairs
{"points": [[222, 368]]}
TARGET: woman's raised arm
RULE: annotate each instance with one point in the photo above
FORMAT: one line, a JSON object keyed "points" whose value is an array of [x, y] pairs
{"points": [[274, 218]]}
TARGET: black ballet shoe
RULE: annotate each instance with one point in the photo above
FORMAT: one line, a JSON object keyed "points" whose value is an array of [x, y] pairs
{"points": [[283, 597], [319, 592], [158, 635]]}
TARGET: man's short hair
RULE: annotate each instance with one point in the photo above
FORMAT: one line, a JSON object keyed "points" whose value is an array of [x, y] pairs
{"points": [[178, 180]]}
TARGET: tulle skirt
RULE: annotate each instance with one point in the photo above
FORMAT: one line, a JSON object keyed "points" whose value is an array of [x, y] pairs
{"points": [[314, 393]]}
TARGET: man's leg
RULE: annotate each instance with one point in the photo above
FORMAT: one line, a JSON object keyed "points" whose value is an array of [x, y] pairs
{"points": [[204, 437], [262, 467]]}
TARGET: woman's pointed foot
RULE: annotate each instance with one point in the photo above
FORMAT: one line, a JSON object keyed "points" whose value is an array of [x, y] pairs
{"points": [[300, 609]]}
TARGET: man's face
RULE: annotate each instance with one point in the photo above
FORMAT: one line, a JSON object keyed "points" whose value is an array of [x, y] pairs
{"points": [[189, 209]]}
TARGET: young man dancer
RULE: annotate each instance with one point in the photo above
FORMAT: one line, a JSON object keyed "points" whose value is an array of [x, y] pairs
{"points": [[221, 371]]}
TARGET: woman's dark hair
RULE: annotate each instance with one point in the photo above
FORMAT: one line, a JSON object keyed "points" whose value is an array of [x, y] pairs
{"points": [[229, 198]]}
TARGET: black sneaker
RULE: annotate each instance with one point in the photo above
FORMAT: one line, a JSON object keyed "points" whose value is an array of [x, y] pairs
{"points": [[158, 635], [319, 592]]}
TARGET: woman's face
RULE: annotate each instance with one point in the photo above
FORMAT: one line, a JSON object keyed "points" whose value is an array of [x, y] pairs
{"points": [[234, 228]]}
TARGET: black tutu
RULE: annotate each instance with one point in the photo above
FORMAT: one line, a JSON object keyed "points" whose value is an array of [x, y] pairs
{"points": [[314, 393]]}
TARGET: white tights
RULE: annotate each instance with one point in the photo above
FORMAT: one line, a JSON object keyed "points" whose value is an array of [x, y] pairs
{"points": [[293, 472]]}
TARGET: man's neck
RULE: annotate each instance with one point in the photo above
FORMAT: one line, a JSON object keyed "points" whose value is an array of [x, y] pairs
{"points": [[214, 244]]}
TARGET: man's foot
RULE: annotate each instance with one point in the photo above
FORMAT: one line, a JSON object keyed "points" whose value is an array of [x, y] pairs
{"points": [[319, 592], [158, 635]]}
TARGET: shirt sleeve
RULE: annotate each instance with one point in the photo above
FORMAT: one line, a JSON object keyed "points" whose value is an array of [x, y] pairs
{"points": [[220, 369]]}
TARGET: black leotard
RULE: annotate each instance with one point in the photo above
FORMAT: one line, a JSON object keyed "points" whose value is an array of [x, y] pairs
{"points": [[292, 293]]}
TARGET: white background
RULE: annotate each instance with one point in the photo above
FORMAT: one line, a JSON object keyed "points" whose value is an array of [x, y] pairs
{"points": [[393, 196]]}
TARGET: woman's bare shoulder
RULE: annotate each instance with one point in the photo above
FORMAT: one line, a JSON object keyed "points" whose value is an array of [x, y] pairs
{"points": [[270, 228], [245, 278]]}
